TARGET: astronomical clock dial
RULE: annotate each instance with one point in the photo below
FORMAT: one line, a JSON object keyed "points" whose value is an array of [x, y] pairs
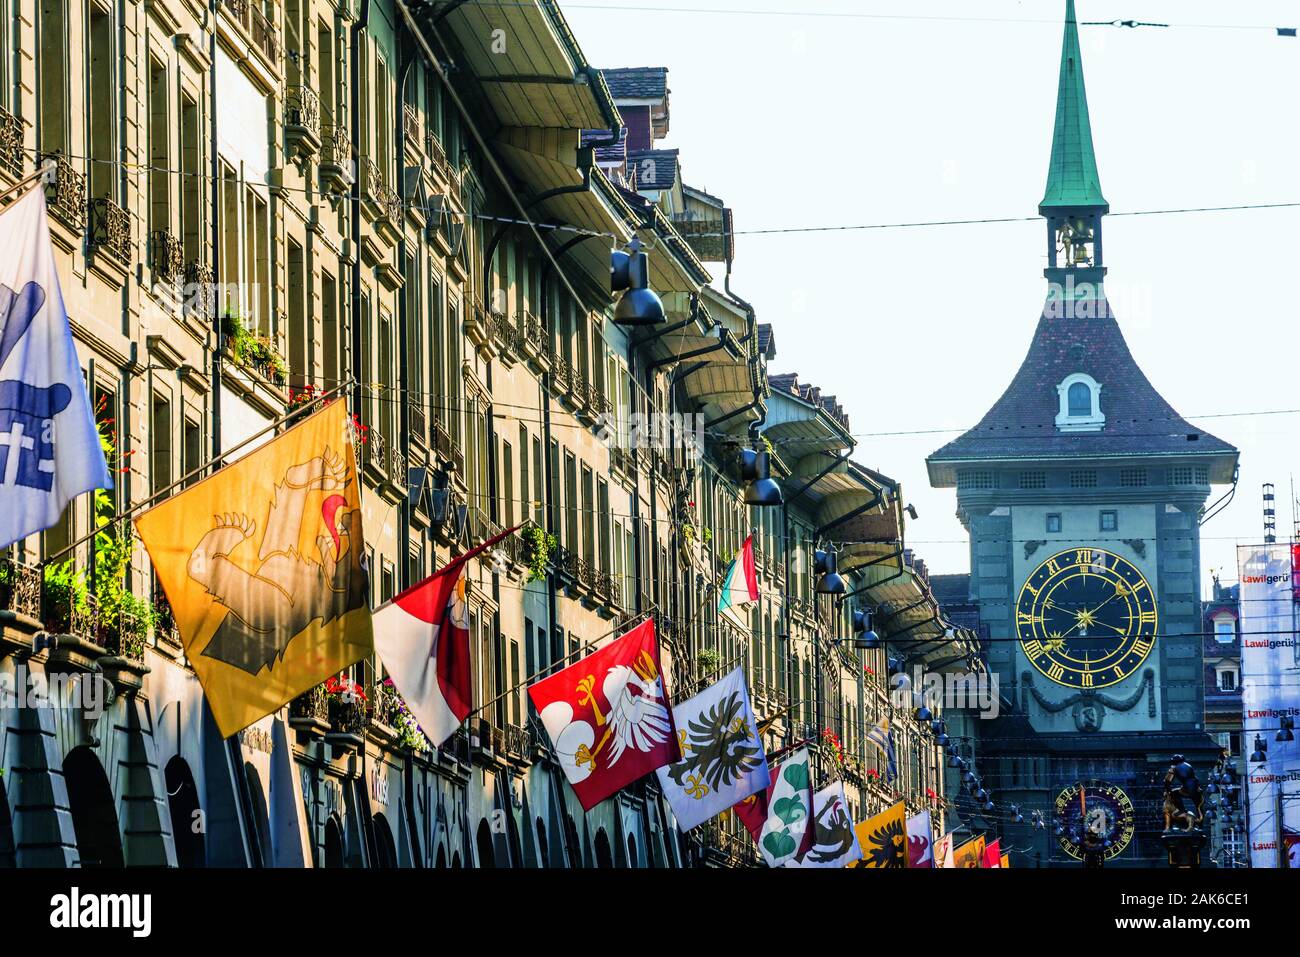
{"points": [[1086, 618], [1104, 809]]}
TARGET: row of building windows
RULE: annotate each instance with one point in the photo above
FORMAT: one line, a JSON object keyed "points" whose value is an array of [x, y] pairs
{"points": [[1033, 479]]}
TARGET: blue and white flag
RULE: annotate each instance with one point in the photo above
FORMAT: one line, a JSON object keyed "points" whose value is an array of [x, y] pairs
{"points": [[722, 754], [49, 446], [883, 738]]}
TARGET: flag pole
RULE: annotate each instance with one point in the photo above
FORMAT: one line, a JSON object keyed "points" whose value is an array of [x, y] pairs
{"points": [[131, 509], [581, 649], [24, 184]]}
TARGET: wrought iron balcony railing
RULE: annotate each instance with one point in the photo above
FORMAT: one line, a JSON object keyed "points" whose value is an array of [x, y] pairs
{"points": [[518, 741], [166, 256], [374, 450], [337, 164], [20, 588], [66, 196], [199, 298], [313, 703], [110, 229], [384, 201], [301, 119], [560, 374], [260, 30], [11, 143], [447, 448], [419, 421]]}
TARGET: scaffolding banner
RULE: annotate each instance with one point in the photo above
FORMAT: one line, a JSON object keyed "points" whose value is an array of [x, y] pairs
{"points": [[1270, 690]]}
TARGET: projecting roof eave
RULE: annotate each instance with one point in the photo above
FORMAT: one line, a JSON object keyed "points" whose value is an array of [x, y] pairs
{"points": [[540, 76], [942, 469], [544, 160], [909, 618], [800, 428]]}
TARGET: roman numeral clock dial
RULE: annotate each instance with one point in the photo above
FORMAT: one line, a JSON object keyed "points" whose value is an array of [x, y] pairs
{"points": [[1086, 618]]}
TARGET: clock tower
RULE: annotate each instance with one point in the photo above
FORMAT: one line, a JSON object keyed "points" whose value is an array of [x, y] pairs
{"points": [[1083, 492]]}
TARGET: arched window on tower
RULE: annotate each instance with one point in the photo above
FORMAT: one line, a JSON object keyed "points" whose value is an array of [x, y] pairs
{"points": [[1079, 410], [1080, 400]]}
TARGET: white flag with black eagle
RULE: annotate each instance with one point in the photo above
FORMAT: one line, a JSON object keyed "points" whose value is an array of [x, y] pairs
{"points": [[49, 446], [722, 754]]}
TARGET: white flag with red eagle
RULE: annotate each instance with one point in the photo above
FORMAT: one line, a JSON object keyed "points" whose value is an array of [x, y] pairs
{"points": [[422, 637]]}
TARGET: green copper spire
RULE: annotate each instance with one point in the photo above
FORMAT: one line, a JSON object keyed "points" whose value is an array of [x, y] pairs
{"points": [[1072, 179]]}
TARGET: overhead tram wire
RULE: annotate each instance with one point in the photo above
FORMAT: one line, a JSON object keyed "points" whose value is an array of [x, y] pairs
{"points": [[143, 168], [880, 17], [461, 403]]}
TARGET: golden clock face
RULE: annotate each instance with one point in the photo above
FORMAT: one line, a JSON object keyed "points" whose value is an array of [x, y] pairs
{"points": [[1097, 808], [1086, 618]]}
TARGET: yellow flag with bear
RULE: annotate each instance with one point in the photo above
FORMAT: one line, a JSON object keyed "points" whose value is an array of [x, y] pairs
{"points": [[262, 563]]}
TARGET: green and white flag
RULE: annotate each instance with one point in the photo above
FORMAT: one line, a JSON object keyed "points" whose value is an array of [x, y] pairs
{"points": [[835, 843], [787, 836], [722, 754]]}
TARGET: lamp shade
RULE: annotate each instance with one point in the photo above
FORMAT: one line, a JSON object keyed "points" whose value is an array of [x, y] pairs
{"points": [[761, 489], [639, 307]]}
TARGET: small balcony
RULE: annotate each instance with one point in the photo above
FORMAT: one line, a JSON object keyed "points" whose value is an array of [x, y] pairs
{"points": [[504, 336], [338, 169], [20, 593], [199, 296], [560, 375], [348, 718], [66, 196], [309, 714], [302, 130], [438, 157], [259, 29], [447, 449], [11, 144], [166, 256], [532, 344], [418, 421], [375, 453], [110, 229], [518, 740], [381, 201], [256, 353]]}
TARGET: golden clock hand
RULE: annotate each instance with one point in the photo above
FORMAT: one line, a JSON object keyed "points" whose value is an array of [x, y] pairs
{"points": [[1110, 599]]}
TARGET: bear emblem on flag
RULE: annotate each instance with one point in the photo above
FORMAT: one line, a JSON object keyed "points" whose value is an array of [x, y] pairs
{"points": [[262, 565], [286, 591]]}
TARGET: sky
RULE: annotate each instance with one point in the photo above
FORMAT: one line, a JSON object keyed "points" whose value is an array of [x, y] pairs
{"points": [[825, 113]]}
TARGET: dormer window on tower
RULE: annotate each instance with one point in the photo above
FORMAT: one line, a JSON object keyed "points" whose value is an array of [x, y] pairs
{"points": [[1079, 396]]}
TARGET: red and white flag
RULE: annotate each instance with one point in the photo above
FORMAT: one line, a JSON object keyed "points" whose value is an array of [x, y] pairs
{"points": [[993, 854], [422, 637], [608, 716], [943, 855]]}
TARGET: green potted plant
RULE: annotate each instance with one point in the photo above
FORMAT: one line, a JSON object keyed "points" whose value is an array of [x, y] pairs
{"points": [[538, 547], [707, 663]]}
